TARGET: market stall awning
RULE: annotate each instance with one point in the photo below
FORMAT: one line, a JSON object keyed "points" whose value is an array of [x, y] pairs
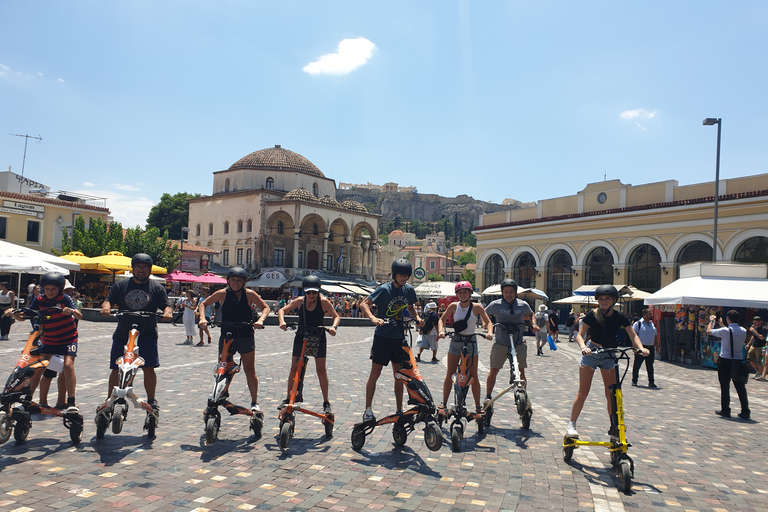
{"points": [[492, 290], [356, 289], [334, 288], [272, 279]]}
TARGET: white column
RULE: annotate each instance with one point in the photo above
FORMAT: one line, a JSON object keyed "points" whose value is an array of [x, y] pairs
{"points": [[324, 263]]}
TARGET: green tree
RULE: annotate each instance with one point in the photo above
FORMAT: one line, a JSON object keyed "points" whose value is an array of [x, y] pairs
{"points": [[159, 246], [170, 214], [467, 257], [470, 240], [468, 275], [445, 226], [435, 277], [98, 239]]}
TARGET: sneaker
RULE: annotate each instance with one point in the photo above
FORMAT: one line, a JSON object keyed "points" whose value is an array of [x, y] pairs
{"points": [[757, 376], [155, 406], [571, 430], [73, 409], [634, 383], [187, 342], [327, 408], [744, 415], [255, 408], [653, 386], [418, 358], [724, 414], [434, 359], [368, 415], [201, 344], [761, 378]]}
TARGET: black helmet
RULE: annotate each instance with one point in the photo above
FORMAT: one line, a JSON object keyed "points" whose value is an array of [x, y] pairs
{"points": [[54, 278], [237, 272], [607, 289], [508, 282], [402, 266], [141, 257], [310, 284]]}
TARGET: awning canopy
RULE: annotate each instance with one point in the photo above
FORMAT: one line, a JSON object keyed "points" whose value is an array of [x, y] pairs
{"points": [[9, 249], [356, 289], [334, 288], [268, 280]]}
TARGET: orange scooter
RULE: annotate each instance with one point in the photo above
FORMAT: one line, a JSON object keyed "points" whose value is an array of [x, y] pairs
{"points": [[286, 416], [423, 410], [17, 418], [225, 372], [462, 380]]}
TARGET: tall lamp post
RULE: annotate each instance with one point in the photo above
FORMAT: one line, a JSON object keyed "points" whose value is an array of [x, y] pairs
{"points": [[719, 122], [181, 245]]}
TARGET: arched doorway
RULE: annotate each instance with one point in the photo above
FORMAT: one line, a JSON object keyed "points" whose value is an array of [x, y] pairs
{"points": [[524, 272], [599, 267], [559, 280], [494, 271], [313, 260]]}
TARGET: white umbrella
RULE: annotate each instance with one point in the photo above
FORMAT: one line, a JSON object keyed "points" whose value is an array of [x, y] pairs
{"points": [[532, 293], [28, 265], [9, 249], [493, 290], [577, 299]]}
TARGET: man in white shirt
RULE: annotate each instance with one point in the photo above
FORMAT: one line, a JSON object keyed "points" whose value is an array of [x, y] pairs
{"points": [[726, 359], [646, 331]]}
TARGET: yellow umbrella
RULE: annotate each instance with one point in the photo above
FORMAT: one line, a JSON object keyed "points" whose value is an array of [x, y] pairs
{"points": [[114, 261], [76, 257]]}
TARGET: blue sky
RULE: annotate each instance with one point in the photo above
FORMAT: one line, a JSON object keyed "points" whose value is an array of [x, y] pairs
{"points": [[524, 100]]}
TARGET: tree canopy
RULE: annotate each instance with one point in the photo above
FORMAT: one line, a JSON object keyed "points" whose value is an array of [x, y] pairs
{"points": [[170, 214]]}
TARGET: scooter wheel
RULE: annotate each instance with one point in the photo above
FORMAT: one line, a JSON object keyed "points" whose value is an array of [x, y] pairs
{"points": [[526, 419], [625, 473], [456, 438], [328, 428], [488, 416], [117, 418], [567, 453], [257, 422], [358, 438], [76, 429], [150, 424], [211, 431], [285, 435], [102, 423], [6, 426], [21, 431], [480, 425], [433, 437], [399, 434]]}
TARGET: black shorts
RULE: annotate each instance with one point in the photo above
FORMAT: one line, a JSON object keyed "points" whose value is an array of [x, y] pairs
{"points": [[70, 349], [316, 346], [385, 350], [243, 345]]}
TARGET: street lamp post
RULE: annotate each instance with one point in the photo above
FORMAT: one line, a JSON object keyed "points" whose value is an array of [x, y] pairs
{"points": [[181, 246], [719, 122]]}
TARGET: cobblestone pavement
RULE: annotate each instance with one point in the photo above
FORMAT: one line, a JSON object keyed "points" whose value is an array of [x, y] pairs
{"points": [[686, 458]]}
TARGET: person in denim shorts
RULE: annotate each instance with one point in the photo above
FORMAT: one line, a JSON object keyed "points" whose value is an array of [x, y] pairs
{"points": [[603, 323]]}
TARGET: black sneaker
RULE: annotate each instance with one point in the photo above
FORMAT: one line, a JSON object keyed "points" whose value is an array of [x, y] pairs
{"points": [[724, 414], [653, 386], [744, 415], [327, 408], [418, 358]]}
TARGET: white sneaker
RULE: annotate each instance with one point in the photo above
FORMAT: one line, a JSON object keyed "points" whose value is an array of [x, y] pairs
{"points": [[757, 376], [368, 415], [571, 430], [255, 408]]}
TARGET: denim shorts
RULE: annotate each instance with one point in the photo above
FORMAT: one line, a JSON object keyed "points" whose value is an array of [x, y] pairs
{"points": [[603, 361]]}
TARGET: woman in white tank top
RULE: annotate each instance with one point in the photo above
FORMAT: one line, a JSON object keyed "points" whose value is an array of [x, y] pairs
{"points": [[463, 311], [6, 305]]}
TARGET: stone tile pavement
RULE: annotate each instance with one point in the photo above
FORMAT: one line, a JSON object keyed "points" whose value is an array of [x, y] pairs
{"points": [[686, 457]]}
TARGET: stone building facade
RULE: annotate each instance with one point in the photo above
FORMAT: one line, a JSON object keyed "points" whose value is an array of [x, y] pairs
{"points": [[275, 210]]}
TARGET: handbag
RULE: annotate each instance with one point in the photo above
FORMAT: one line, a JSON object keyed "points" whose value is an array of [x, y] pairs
{"points": [[551, 342], [739, 370]]}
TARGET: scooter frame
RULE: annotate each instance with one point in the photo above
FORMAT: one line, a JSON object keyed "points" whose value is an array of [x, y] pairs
{"points": [[423, 409], [516, 383], [114, 411], [225, 372], [287, 412], [462, 380], [618, 444], [18, 419]]}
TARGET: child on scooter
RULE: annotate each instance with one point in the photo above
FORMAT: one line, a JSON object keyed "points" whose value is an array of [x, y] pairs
{"points": [[313, 307]]}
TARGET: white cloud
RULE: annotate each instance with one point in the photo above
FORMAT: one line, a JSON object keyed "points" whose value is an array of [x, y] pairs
{"points": [[350, 55], [60, 80], [128, 209], [638, 113], [87, 184], [129, 188]]}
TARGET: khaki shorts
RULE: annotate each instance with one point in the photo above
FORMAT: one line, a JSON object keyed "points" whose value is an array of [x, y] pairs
{"points": [[755, 354], [499, 356]]}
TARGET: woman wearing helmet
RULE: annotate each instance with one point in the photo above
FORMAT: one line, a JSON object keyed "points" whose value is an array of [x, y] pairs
{"points": [[237, 303], [312, 309], [59, 334], [603, 323], [464, 314], [512, 313], [391, 300]]}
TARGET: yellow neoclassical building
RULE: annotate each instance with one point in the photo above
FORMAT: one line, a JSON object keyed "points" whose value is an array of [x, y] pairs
{"points": [[611, 232]]}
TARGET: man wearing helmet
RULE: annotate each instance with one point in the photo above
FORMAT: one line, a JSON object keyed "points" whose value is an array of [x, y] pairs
{"points": [[603, 323], [313, 308], [138, 294], [237, 303], [512, 313], [59, 334], [391, 300]]}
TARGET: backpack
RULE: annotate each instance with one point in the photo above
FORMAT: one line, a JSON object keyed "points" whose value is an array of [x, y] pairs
{"points": [[540, 320]]}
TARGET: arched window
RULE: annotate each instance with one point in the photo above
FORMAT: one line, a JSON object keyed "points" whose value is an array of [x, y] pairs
{"points": [[248, 257], [239, 225], [559, 280], [270, 184], [314, 228], [599, 267], [314, 189], [279, 227], [524, 271], [249, 225], [494, 270], [693, 252], [197, 230], [226, 185], [753, 250], [645, 268], [226, 227], [210, 229]]}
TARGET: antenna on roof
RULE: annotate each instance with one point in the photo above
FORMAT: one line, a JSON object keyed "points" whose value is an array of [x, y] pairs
{"points": [[26, 139]]}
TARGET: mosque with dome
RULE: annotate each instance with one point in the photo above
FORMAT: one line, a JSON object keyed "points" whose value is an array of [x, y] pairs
{"points": [[274, 210]]}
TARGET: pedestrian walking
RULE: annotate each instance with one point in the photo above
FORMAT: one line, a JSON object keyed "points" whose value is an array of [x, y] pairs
{"points": [[732, 336], [429, 331], [649, 337], [541, 323], [7, 299], [571, 323], [755, 345], [189, 304]]}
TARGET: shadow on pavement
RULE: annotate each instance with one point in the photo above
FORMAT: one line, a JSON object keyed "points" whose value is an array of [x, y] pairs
{"points": [[401, 457], [113, 449], [220, 447], [34, 448]]}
